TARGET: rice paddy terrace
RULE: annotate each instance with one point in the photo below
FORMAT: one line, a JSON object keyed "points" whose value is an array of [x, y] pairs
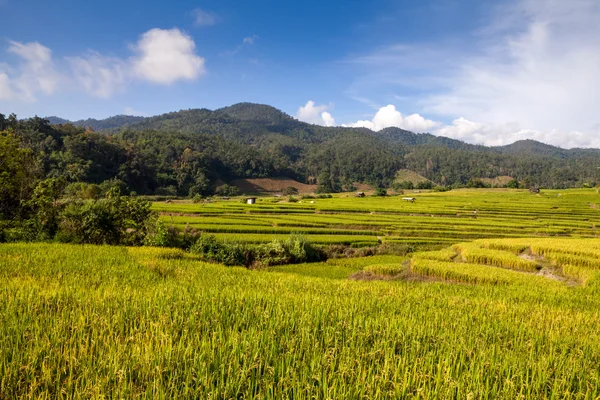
{"points": [[433, 219], [507, 307]]}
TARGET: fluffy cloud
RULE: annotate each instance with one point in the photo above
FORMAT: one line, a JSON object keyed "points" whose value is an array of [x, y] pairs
{"points": [[532, 68], [388, 116], [98, 75], [36, 73], [314, 114], [5, 89], [166, 56], [162, 57], [204, 18], [503, 134]]}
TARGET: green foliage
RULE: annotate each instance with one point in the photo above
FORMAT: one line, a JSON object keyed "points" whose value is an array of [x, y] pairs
{"points": [[113, 220], [160, 235], [380, 192], [228, 191], [291, 250], [477, 183], [290, 191], [424, 185], [18, 173], [513, 184]]}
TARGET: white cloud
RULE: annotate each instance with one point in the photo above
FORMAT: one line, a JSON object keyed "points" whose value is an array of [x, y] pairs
{"points": [[131, 111], [36, 73], [162, 57], [314, 114], [388, 116], [503, 134], [327, 119], [166, 56], [532, 69], [6, 92], [204, 18], [250, 39], [98, 75]]}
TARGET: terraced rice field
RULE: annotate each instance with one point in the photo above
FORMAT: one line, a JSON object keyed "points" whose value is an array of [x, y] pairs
{"points": [[494, 315], [92, 322], [433, 219]]}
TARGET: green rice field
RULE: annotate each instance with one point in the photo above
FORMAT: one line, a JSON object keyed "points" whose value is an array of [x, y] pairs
{"points": [[500, 300], [434, 218]]}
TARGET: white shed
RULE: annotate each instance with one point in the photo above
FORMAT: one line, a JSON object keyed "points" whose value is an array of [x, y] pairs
{"points": [[250, 200]]}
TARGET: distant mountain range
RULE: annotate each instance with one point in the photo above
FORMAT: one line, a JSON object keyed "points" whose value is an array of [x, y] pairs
{"points": [[311, 149]]}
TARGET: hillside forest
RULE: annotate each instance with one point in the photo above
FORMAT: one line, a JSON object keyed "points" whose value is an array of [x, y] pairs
{"points": [[192, 152]]}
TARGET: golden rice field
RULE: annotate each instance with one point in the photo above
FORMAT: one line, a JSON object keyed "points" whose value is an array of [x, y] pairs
{"points": [[498, 317], [433, 219]]}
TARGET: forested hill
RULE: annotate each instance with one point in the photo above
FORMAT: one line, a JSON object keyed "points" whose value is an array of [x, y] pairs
{"points": [[190, 151]]}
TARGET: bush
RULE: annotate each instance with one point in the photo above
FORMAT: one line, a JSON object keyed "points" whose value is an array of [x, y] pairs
{"points": [[441, 188], [405, 185], [477, 184], [292, 199], [324, 196], [160, 235], [289, 191], [228, 191], [113, 220], [228, 253], [380, 192], [197, 198], [424, 185], [513, 184], [277, 252]]}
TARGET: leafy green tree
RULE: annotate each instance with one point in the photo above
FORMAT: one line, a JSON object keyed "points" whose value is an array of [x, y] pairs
{"points": [[513, 184], [18, 174]]}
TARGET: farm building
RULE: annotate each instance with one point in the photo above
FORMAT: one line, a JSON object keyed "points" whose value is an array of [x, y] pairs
{"points": [[250, 200], [360, 194], [411, 199]]}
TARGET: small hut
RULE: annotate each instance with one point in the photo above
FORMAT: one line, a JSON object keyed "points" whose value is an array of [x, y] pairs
{"points": [[250, 200], [360, 194], [534, 189], [411, 199]]}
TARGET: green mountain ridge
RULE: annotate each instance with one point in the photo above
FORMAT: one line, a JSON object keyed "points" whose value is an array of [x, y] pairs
{"points": [[178, 152]]}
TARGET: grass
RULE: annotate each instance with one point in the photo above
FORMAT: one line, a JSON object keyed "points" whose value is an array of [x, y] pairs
{"points": [[89, 322], [114, 322], [448, 217]]}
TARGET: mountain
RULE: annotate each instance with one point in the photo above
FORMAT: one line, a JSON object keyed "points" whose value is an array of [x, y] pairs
{"points": [[249, 140], [118, 121]]}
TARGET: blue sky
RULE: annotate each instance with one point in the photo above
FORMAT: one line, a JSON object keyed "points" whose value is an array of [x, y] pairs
{"points": [[488, 71]]}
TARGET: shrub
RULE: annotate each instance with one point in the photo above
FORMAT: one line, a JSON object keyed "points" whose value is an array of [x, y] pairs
{"points": [[380, 192], [197, 198], [513, 184], [160, 235], [398, 186], [228, 253], [424, 185], [113, 220], [228, 191], [289, 191]]}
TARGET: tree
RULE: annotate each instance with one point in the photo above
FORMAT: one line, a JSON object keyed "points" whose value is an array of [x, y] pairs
{"points": [[18, 173], [513, 184]]}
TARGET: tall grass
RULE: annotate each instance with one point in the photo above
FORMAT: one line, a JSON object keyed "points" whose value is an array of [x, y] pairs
{"points": [[93, 322]]}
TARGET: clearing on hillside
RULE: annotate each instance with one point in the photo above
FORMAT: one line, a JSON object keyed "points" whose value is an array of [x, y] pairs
{"points": [[406, 175], [271, 185]]}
